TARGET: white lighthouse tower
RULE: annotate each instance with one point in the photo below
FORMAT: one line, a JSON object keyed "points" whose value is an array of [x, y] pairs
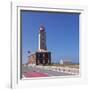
{"points": [[42, 56], [42, 39]]}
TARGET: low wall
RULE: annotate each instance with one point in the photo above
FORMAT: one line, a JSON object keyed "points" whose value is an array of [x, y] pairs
{"points": [[69, 70]]}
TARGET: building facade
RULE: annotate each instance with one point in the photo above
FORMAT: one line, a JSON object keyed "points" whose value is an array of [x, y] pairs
{"points": [[32, 59], [43, 58]]}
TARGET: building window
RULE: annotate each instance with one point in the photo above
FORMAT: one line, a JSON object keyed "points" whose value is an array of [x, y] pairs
{"points": [[46, 55], [39, 55]]}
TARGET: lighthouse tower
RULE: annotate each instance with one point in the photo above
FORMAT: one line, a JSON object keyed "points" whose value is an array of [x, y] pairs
{"points": [[42, 39], [42, 56]]}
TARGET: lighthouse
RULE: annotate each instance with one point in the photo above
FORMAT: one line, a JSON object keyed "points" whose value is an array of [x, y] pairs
{"points": [[42, 39], [42, 56]]}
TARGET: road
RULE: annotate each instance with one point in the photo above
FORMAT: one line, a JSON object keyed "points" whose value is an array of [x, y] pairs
{"points": [[35, 72]]}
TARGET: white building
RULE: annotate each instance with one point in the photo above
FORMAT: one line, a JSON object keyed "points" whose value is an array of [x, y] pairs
{"points": [[66, 61]]}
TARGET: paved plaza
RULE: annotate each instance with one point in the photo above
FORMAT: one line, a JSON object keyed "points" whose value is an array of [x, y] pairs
{"points": [[34, 71]]}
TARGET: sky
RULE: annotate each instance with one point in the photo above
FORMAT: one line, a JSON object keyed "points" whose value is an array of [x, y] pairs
{"points": [[62, 34]]}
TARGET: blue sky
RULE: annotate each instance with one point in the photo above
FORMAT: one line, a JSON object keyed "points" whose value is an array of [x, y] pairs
{"points": [[62, 34]]}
